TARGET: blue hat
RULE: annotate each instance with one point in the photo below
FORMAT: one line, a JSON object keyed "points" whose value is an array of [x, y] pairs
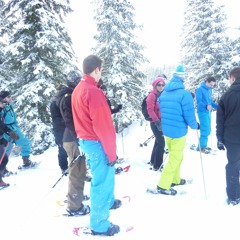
{"points": [[180, 72]]}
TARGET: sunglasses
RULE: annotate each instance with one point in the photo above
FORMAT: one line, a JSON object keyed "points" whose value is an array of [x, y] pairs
{"points": [[160, 85]]}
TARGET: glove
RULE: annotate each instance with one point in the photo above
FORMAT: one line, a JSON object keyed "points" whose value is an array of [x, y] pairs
{"points": [[220, 145], [158, 125], [198, 126], [119, 107], [111, 164], [13, 135]]}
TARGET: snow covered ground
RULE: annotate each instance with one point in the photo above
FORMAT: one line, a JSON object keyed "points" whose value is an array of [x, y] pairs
{"points": [[29, 210]]}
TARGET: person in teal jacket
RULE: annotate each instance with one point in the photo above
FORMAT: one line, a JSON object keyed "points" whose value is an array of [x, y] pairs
{"points": [[10, 120], [177, 111], [205, 105]]}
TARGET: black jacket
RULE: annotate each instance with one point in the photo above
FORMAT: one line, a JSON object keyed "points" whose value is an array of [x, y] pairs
{"points": [[63, 101], [228, 115], [57, 121]]}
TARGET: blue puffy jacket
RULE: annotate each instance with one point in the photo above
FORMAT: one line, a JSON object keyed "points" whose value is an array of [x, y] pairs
{"points": [[204, 98], [177, 109]]}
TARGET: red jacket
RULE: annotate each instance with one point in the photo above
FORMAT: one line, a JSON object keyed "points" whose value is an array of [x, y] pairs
{"points": [[92, 116], [153, 106]]}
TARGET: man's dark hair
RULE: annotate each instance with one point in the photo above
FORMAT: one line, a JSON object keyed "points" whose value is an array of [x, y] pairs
{"points": [[90, 63], [210, 79], [235, 72]]}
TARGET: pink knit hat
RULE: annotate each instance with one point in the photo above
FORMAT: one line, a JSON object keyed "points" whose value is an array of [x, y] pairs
{"points": [[158, 80]]}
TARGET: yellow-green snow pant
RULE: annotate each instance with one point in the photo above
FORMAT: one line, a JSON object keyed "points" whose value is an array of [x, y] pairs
{"points": [[171, 172]]}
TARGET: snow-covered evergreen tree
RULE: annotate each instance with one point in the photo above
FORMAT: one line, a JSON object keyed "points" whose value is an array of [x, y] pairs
{"points": [[206, 50], [117, 46], [39, 55]]}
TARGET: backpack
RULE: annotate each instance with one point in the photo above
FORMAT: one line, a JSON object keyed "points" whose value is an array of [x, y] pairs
{"points": [[144, 108]]}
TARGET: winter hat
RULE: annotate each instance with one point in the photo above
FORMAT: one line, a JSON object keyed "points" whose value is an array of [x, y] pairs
{"points": [[4, 94], [73, 78], [158, 80], [180, 72]]}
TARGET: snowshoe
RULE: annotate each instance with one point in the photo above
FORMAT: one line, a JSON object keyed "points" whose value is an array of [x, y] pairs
{"points": [[83, 210], [3, 185], [28, 165]]}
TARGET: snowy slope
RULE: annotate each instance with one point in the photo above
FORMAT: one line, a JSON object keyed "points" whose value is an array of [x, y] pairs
{"points": [[29, 209]]}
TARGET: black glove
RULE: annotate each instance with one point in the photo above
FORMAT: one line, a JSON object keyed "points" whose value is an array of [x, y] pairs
{"points": [[220, 145], [198, 126], [111, 164], [158, 125], [119, 107], [13, 135]]}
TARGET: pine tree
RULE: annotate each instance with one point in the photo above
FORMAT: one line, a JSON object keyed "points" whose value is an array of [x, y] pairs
{"points": [[205, 47], [39, 54], [122, 56]]}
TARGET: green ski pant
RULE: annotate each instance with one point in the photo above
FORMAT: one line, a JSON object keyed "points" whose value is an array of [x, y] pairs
{"points": [[171, 172]]}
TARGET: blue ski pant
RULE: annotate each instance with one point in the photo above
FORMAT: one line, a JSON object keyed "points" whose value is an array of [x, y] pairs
{"points": [[205, 127], [23, 142], [102, 184]]}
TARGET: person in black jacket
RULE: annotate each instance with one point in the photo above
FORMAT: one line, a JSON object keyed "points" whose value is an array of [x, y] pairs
{"points": [[3, 143], [104, 89], [228, 134], [77, 169], [58, 130]]}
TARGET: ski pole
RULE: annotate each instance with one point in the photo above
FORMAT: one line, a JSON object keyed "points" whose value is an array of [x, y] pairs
{"points": [[5, 150], [70, 165], [204, 186], [146, 141]]}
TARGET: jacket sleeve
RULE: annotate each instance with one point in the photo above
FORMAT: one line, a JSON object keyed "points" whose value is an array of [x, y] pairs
{"points": [[151, 105], [67, 114], [220, 121], [103, 127], [200, 101], [189, 111]]}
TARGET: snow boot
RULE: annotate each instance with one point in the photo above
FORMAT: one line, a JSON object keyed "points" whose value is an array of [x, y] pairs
{"points": [[2, 183], [113, 229], [117, 204], [182, 182], [171, 191], [83, 210], [6, 173], [27, 163], [233, 202]]}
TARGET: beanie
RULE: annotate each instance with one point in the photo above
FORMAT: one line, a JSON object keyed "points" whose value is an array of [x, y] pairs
{"points": [[4, 94], [180, 72], [73, 78], [158, 80]]}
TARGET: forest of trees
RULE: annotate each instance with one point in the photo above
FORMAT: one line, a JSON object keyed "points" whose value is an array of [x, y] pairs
{"points": [[37, 53]]}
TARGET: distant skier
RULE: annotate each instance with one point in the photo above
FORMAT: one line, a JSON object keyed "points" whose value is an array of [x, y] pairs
{"points": [[156, 123], [3, 143], [205, 105], [177, 110], [228, 135], [10, 119], [77, 170], [97, 138]]}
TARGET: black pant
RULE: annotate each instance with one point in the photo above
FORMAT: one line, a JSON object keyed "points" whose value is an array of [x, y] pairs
{"points": [[232, 170], [3, 158], [158, 148]]}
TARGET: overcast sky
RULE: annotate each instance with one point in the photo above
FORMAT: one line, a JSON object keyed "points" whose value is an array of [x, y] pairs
{"points": [[162, 21]]}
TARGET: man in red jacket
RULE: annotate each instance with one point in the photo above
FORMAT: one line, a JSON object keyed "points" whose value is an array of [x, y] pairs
{"points": [[97, 139]]}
